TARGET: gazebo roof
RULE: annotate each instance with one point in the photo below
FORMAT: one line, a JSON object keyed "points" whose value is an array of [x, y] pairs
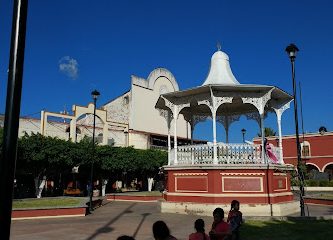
{"points": [[278, 97], [220, 71], [221, 82]]}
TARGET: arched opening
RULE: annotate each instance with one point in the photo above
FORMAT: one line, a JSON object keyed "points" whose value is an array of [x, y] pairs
{"points": [[195, 114], [68, 131], [328, 169], [312, 171]]}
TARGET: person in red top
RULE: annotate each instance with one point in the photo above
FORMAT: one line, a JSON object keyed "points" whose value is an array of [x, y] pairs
{"points": [[199, 226], [220, 229], [235, 219]]}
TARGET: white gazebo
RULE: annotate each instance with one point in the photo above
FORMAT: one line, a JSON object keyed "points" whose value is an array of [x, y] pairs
{"points": [[223, 99]]}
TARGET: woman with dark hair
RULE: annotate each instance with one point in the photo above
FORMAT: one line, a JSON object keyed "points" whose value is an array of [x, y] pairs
{"points": [[220, 229], [199, 226], [161, 231], [235, 219]]}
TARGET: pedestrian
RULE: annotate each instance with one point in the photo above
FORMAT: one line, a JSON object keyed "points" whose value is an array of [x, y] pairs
{"points": [[199, 226], [235, 219], [220, 229], [161, 231], [125, 237]]}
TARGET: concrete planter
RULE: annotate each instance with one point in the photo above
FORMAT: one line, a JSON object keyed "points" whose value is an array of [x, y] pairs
{"points": [[20, 214], [313, 189]]}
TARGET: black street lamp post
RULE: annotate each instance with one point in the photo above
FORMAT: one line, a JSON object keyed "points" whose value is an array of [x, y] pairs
{"points": [[12, 115], [243, 132], [95, 94], [292, 50]]}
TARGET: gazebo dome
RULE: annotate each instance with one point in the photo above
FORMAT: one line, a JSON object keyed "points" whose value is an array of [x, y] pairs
{"points": [[220, 72]]}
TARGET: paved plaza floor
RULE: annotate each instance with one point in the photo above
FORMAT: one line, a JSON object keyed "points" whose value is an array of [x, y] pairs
{"points": [[115, 219]]}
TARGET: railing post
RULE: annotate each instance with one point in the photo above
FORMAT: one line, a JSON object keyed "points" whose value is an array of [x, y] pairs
{"points": [[214, 139], [263, 147], [175, 116]]}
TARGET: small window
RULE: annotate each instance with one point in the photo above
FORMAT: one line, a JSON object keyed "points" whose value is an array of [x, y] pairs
{"points": [[305, 146], [126, 100], [99, 138]]}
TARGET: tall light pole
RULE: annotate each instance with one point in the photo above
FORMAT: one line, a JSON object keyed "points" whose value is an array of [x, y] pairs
{"points": [[12, 114], [95, 94], [243, 132], [292, 50]]}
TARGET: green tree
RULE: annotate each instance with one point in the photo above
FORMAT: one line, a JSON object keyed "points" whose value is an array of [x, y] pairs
{"points": [[42, 156], [268, 132], [45, 156]]}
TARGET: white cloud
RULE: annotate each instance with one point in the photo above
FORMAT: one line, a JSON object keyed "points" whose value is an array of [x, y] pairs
{"points": [[69, 66]]}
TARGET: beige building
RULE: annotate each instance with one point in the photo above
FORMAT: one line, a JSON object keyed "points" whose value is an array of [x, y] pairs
{"points": [[128, 120]]}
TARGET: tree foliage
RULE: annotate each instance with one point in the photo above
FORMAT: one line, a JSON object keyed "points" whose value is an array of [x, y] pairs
{"points": [[37, 153], [268, 132], [40, 154]]}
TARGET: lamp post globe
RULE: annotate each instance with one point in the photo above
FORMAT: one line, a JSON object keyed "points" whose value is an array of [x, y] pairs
{"points": [[94, 94], [243, 132], [292, 50]]}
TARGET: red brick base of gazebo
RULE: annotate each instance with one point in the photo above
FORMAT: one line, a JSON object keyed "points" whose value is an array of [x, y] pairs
{"points": [[262, 190]]}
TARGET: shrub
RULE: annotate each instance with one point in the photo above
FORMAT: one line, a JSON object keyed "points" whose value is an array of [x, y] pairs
{"points": [[318, 183], [323, 183], [294, 182], [312, 183]]}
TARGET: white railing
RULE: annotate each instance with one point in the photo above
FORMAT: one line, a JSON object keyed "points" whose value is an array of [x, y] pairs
{"points": [[195, 154], [226, 154], [239, 153]]}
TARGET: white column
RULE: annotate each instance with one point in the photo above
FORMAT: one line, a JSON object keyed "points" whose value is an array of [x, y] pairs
{"points": [[73, 130], [169, 137], [105, 134], [175, 116], [280, 137], [263, 154], [169, 146], [42, 123], [279, 111], [214, 137]]}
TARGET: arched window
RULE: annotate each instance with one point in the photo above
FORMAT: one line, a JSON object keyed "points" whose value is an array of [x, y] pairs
{"points": [[99, 138], [306, 150]]}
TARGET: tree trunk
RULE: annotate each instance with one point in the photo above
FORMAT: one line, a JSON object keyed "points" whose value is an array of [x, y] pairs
{"points": [[40, 186], [150, 184]]}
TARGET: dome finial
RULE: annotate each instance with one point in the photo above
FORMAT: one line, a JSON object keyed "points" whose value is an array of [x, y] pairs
{"points": [[218, 45]]}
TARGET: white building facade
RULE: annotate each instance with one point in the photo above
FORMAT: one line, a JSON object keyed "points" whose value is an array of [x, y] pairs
{"points": [[128, 120]]}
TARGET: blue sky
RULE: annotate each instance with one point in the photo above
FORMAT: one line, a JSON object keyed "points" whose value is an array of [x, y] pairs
{"points": [[73, 47]]}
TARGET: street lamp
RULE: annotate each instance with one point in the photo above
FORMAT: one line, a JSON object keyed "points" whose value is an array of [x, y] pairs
{"points": [[95, 94], [292, 50], [243, 132]]}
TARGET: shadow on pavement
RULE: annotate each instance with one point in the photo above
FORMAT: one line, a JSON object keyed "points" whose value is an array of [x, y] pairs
{"points": [[144, 215], [106, 228]]}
